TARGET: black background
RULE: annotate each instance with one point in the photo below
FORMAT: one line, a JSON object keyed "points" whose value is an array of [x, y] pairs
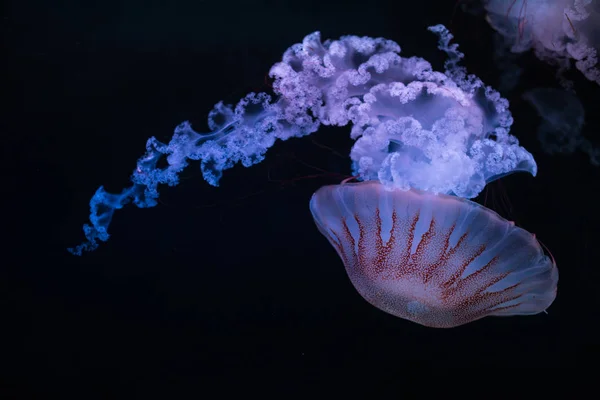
{"points": [[236, 281]]}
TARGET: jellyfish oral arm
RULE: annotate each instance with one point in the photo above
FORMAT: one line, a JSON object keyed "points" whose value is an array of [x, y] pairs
{"points": [[239, 135], [445, 132]]}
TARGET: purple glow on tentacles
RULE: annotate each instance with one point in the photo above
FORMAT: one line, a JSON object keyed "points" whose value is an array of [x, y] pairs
{"points": [[414, 127]]}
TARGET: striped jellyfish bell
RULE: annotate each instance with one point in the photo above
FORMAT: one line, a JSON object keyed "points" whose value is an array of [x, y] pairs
{"points": [[434, 259]]}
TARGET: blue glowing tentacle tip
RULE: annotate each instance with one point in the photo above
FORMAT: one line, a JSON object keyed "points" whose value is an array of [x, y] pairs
{"points": [[92, 234]]}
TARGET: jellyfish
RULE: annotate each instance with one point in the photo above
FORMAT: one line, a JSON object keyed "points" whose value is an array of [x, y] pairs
{"points": [[437, 260], [425, 142], [559, 31], [563, 118]]}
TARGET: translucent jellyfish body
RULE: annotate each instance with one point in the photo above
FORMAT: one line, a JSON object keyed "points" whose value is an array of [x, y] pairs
{"points": [[563, 118], [437, 260], [559, 31]]}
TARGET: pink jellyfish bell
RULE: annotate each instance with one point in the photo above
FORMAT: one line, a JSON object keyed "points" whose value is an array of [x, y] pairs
{"points": [[434, 259]]}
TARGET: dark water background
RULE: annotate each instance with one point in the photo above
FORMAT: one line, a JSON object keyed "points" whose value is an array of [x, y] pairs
{"points": [[236, 281]]}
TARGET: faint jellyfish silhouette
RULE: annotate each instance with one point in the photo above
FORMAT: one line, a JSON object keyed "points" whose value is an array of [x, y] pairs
{"points": [[560, 32], [563, 117], [437, 260]]}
